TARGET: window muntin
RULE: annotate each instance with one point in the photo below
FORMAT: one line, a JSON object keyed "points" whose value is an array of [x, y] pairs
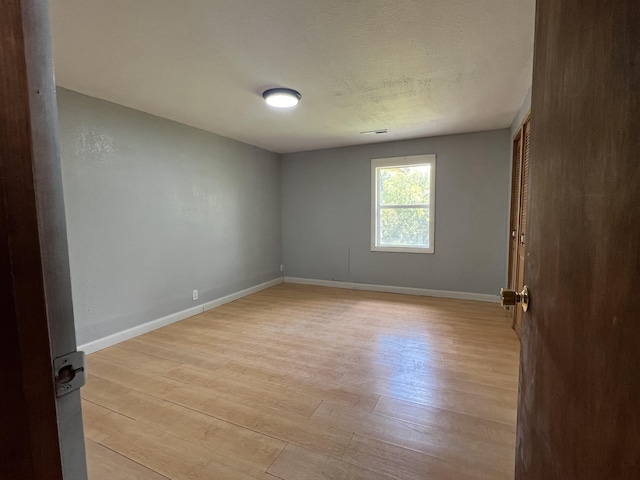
{"points": [[403, 204]]}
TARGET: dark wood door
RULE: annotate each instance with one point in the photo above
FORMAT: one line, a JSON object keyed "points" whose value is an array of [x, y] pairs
{"points": [[41, 435], [579, 403]]}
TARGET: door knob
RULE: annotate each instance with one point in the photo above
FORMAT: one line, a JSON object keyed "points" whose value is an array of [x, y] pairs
{"points": [[511, 297]]}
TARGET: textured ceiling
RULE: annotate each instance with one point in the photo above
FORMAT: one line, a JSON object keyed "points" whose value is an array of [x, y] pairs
{"points": [[417, 67]]}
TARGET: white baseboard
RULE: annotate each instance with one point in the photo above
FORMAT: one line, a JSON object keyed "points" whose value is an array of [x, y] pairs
{"points": [[241, 293], [132, 332], [481, 297], [138, 330]]}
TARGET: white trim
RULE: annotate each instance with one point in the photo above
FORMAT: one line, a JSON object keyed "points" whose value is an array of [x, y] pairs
{"points": [[241, 293], [376, 163], [138, 330], [132, 332], [423, 292]]}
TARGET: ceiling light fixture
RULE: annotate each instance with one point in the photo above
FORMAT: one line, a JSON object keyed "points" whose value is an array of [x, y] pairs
{"points": [[282, 97], [375, 132]]}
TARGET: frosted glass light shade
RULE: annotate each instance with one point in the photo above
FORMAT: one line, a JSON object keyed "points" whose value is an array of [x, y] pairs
{"points": [[282, 97]]}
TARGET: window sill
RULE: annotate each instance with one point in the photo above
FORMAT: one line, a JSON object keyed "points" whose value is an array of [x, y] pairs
{"points": [[402, 250]]}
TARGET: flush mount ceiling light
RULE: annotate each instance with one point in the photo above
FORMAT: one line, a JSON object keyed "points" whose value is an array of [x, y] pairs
{"points": [[375, 132], [282, 97]]}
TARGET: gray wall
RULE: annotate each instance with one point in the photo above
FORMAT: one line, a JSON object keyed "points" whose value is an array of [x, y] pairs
{"points": [[156, 209], [326, 215]]}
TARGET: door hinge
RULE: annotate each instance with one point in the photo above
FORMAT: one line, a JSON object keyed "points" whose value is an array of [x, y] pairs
{"points": [[69, 372]]}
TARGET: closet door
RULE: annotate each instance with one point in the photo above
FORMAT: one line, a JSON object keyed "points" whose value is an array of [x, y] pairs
{"points": [[515, 209], [518, 220], [522, 221]]}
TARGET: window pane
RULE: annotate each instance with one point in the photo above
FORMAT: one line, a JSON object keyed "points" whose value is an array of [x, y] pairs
{"points": [[404, 185], [404, 226]]}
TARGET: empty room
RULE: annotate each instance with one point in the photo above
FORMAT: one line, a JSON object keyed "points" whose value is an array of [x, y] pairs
{"points": [[306, 240]]}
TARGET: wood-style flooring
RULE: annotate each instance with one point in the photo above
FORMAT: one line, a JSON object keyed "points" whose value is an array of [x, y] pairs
{"points": [[301, 382]]}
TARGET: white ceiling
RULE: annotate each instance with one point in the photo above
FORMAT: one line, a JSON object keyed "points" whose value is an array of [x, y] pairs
{"points": [[417, 67]]}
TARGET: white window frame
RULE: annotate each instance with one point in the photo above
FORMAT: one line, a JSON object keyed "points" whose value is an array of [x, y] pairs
{"points": [[412, 160]]}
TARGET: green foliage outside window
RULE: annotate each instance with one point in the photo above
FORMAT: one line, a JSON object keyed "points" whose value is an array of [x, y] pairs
{"points": [[404, 195]]}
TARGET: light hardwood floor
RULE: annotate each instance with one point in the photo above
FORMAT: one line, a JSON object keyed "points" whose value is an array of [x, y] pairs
{"points": [[301, 382]]}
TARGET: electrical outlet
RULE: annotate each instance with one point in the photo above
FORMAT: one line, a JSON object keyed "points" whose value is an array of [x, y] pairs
{"points": [[195, 294], [282, 268]]}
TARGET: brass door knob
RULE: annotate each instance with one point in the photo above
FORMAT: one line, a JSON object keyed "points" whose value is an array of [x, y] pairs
{"points": [[509, 298]]}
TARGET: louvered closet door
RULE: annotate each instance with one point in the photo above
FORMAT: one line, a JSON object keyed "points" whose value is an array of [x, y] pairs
{"points": [[515, 210], [522, 221]]}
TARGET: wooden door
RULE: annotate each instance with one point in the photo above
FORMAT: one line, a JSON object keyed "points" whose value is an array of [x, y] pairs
{"points": [[579, 399], [519, 205], [515, 208], [42, 436], [521, 237]]}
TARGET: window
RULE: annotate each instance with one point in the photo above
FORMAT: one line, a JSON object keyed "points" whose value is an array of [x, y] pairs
{"points": [[403, 204]]}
